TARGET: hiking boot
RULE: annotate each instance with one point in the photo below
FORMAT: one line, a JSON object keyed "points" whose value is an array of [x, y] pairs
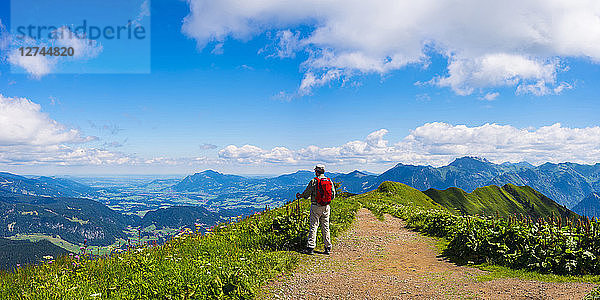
{"points": [[309, 251], [327, 250]]}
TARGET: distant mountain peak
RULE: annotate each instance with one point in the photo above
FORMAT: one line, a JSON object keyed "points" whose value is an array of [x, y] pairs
{"points": [[209, 171], [522, 164], [302, 172], [357, 173], [401, 165], [472, 158], [470, 162]]}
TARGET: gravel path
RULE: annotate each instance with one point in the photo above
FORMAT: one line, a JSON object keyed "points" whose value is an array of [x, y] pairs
{"points": [[384, 260]]}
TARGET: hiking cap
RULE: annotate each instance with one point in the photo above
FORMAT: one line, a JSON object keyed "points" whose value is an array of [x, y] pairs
{"points": [[320, 166]]}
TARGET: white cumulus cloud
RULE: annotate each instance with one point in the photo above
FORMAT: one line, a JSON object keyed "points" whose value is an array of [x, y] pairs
{"points": [[516, 43], [499, 143], [438, 144], [28, 136], [248, 154], [23, 123]]}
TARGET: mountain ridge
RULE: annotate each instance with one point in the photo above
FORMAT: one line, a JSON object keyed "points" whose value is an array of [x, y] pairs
{"points": [[44, 186], [489, 200], [566, 183], [589, 206]]}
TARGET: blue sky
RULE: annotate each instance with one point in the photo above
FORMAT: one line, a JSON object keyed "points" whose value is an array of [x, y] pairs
{"points": [[239, 99]]}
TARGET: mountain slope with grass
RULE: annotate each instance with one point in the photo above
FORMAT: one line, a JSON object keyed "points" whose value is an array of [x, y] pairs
{"points": [[73, 219], [504, 201], [19, 253], [401, 194], [44, 186], [564, 244], [181, 216], [489, 200]]}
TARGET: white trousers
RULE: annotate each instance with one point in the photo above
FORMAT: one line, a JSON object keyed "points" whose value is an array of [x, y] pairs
{"points": [[319, 214]]}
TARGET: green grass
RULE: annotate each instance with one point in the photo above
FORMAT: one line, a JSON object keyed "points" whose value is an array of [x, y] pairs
{"points": [[54, 240], [497, 272], [441, 244], [504, 201], [233, 262], [394, 193], [490, 200]]}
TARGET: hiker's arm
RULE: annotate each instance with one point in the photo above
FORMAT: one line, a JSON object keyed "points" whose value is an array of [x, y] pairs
{"points": [[333, 190], [307, 192]]}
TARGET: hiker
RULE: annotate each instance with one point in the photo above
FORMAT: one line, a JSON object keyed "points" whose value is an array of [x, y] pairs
{"points": [[321, 191]]}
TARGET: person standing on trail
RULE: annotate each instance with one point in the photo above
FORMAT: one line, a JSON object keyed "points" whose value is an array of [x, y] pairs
{"points": [[321, 191]]}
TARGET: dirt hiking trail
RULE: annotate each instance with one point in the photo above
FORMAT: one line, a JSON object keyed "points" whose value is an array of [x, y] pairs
{"points": [[385, 260]]}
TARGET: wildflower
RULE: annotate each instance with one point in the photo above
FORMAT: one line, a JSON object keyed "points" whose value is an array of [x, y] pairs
{"points": [[48, 257], [95, 295], [18, 265], [77, 257]]}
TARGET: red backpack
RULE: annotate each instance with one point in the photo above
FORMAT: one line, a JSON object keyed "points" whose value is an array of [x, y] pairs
{"points": [[324, 191]]}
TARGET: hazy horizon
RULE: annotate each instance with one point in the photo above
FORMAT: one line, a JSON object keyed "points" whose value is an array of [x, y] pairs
{"points": [[264, 175]]}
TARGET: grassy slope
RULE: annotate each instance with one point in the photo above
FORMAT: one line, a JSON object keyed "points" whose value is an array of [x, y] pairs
{"points": [[506, 200], [232, 262], [543, 206], [13, 252], [400, 193]]}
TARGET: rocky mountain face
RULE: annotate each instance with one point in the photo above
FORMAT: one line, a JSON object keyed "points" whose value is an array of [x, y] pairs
{"points": [[467, 173], [589, 206], [566, 183]]}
